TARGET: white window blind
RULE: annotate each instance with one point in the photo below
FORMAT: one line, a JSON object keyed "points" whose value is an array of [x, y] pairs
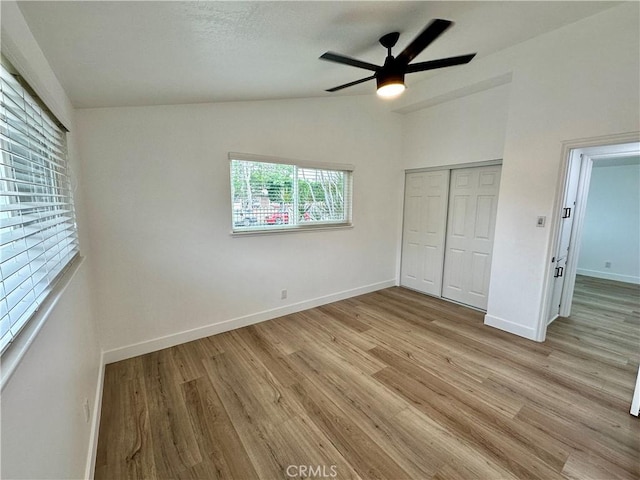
{"points": [[38, 236], [272, 194]]}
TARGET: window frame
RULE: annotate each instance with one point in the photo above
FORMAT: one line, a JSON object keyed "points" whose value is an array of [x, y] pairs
{"points": [[346, 169]]}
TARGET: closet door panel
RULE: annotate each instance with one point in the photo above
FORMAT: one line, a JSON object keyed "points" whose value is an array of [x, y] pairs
{"points": [[473, 201], [423, 236]]}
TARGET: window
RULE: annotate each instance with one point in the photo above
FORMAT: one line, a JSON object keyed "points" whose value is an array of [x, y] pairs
{"points": [[271, 194], [38, 237]]}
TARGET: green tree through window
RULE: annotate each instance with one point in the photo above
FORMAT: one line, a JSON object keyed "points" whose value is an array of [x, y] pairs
{"points": [[287, 196]]}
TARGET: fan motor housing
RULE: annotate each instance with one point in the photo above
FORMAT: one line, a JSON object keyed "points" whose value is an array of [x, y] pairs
{"points": [[391, 72], [385, 77]]}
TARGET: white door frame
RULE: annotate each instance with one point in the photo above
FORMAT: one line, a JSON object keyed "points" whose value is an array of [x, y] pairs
{"points": [[596, 147]]}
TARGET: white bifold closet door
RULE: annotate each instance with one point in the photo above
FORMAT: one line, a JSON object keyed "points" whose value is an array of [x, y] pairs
{"points": [[449, 223], [425, 218], [473, 201]]}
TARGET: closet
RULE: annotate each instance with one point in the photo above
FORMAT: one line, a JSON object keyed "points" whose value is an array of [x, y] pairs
{"points": [[448, 230]]}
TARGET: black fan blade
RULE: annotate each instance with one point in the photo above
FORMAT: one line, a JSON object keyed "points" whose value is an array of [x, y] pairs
{"points": [[440, 63], [422, 41], [351, 84], [336, 57]]}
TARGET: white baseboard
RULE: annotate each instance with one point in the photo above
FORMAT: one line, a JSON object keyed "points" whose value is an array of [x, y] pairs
{"points": [[609, 276], [149, 346], [90, 469], [511, 327]]}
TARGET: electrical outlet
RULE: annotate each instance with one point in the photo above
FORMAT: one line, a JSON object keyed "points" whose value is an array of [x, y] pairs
{"points": [[283, 294], [87, 412], [607, 264]]}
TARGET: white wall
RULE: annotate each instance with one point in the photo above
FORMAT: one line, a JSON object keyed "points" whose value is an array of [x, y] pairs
{"points": [[611, 230], [579, 81], [462, 130], [160, 215], [43, 431]]}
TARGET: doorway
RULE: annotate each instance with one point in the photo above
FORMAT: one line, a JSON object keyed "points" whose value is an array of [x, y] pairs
{"points": [[449, 223], [571, 228]]}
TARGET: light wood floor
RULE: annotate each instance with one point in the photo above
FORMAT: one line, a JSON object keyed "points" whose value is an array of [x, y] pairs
{"points": [[389, 385]]}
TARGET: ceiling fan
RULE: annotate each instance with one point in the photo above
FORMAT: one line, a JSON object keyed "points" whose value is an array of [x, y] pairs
{"points": [[390, 76]]}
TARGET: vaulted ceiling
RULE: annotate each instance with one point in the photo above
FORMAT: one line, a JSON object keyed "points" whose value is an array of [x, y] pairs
{"points": [[156, 52]]}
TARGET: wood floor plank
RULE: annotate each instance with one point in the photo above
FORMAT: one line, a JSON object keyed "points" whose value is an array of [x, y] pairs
{"points": [[580, 437], [367, 458], [350, 352], [436, 405], [388, 385], [305, 445], [337, 331], [458, 454], [570, 403], [175, 446], [269, 355], [247, 416], [372, 406], [223, 452], [426, 346], [251, 383], [344, 314], [581, 466], [125, 420], [451, 368], [486, 419]]}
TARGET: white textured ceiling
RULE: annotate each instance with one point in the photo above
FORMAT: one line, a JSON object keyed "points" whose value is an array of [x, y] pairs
{"points": [[156, 52]]}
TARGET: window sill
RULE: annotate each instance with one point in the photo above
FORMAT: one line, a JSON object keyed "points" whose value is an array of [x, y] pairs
{"points": [[16, 351], [278, 231]]}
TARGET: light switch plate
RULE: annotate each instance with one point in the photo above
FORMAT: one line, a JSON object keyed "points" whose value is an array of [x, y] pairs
{"points": [[541, 221]]}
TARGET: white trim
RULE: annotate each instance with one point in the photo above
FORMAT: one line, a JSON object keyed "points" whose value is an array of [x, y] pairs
{"points": [[250, 157], [400, 234], [292, 229], [16, 351], [90, 468], [609, 276], [605, 142], [167, 341], [511, 327], [456, 166]]}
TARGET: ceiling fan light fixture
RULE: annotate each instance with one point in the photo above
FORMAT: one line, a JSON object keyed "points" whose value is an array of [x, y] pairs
{"points": [[390, 76], [390, 86], [390, 90]]}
